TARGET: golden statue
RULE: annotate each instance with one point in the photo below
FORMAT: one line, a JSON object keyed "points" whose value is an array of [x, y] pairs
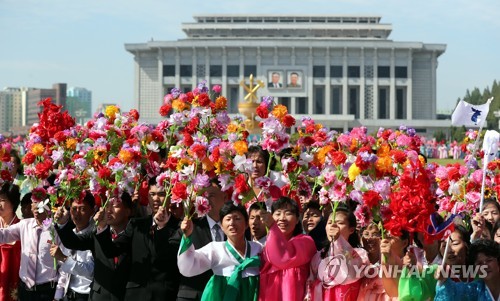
{"points": [[249, 106]]}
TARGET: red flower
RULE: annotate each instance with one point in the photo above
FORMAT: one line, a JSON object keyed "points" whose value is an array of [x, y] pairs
{"points": [[262, 111], [398, 156], [157, 136], [191, 126], [165, 109], [453, 174], [338, 157], [188, 140], [319, 136], [171, 163], [190, 96], [240, 184], [198, 151], [288, 120], [104, 173], [371, 198], [6, 176], [28, 158], [135, 114], [308, 140], [179, 191], [60, 137], [43, 168], [203, 99]]}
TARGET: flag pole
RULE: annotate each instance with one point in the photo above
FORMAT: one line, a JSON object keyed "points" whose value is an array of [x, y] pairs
{"points": [[448, 239]]}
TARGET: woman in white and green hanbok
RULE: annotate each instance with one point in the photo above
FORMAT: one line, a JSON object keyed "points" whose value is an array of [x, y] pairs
{"points": [[235, 262]]}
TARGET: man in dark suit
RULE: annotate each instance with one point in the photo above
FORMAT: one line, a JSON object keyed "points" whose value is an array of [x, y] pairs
{"points": [[275, 81], [153, 273], [206, 230], [110, 274]]}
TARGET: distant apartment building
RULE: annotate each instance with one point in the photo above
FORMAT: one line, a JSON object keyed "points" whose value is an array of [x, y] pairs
{"points": [[79, 103]]}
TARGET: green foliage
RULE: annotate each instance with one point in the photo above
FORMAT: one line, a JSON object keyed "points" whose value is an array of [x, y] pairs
{"points": [[440, 136], [476, 97]]}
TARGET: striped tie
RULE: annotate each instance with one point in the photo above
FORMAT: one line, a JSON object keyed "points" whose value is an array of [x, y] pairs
{"points": [[216, 228], [32, 260]]}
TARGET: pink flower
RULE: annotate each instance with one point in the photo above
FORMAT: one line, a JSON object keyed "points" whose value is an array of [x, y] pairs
{"points": [[217, 89], [202, 206]]}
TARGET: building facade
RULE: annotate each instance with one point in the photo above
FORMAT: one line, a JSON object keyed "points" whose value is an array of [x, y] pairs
{"points": [[79, 103], [342, 71]]}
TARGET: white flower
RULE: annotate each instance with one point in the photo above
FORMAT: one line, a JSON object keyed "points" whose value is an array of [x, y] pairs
{"points": [[43, 206], [305, 158], [153, 146], [241, 163]]}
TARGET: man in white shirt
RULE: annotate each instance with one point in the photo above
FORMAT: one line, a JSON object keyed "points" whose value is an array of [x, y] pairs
{"points": [[78, 264]]}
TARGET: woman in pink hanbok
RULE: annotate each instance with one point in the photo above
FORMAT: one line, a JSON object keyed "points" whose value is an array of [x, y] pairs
{"points": [[337, 269], [287, 255]]}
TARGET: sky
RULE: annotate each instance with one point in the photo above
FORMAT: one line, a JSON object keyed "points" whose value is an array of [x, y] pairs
{"points": [[81, 43]]}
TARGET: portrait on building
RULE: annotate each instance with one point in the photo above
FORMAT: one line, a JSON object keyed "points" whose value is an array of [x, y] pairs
{"points": [[294, 79], [275, 79]]}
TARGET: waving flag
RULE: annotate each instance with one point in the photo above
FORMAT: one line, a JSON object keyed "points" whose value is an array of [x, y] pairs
{"points": [[441, 231], [470, 115], [490, 145]]}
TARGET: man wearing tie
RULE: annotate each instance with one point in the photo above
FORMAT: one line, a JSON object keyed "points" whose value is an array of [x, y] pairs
{"points": [[275, 80], [40, 280], [206, 230]]}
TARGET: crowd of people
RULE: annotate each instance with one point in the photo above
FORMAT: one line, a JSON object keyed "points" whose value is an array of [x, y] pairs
{"points": [[279, 249], [192, 208]]}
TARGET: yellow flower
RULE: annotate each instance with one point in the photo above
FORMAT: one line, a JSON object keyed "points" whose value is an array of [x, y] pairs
{"points": [[232, 128], [111, 111], [353, 172], [207, 164], [71, 143], [181, 163], [179, 105], [279, 111], [37, 149], [125, 156], [240, 147], [100, 153], [220, 103]]}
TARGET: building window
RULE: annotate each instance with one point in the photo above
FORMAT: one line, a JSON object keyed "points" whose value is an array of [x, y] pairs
{"points": [[168, 70], [319, 71], [285, 101], [301, 105], [401, 72], [353, 71], [336, 72], [186, 89], [233, 70], [383, 103], [336, 105], [215, 70], [384, 71], [354, 102], [250, 69], [186, 70], [400, 103], [233, 99], [319, 100]]}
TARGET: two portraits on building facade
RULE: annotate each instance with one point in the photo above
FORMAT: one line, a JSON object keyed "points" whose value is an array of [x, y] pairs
{"points": [[279, 79]]}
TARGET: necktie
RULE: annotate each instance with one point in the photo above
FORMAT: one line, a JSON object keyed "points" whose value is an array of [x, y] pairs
{"points": [[216, 228], [31, 268]]}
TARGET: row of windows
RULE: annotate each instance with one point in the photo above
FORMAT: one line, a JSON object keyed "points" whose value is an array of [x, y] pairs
{"points": [[318, 71]]}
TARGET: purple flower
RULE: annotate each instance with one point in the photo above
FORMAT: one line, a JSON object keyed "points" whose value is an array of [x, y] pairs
{"points": [[267, 100], [202, 86], [2, 138], [356, 195], [383, 187], [215, 142], [175, 92], [46, 224], [201, 180], [402, 128], [313, 172], [80, 164], [411, 132], [57, 155]]}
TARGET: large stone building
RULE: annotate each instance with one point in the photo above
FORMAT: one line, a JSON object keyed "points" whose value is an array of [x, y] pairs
{"points": [[343, 71]]}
